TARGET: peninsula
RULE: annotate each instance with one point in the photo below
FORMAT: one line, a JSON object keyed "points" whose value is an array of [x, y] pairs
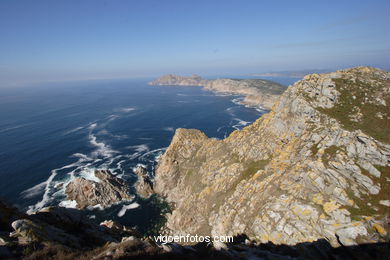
{"points": [[257, 92]]}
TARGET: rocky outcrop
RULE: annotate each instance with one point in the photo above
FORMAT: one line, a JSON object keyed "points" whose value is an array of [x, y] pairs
{"points": [[68, 227], [316, 166], [103, 190], [63, 233], [144, 185], [257, 92]]}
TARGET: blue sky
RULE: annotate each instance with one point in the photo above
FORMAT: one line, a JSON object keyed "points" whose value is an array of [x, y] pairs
{"points": [[74, 39]]}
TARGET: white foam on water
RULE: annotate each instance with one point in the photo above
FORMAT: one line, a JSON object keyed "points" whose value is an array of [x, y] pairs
{"points": [[74, 130], [82, 157], [97, 206], [68, 204], [111, 117], [92, 126], [34, 191], [220, 128], [152, 152], [139, 165], [238, 101], [229, 110], [46, 196], [13, 127], [240, 124], [89, 174], [140, 148], [122, 212], [102, 148], [127, 109], [169, 129]]}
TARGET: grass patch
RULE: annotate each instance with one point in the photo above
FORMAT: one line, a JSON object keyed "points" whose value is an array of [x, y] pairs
{"points": [[360, 96], [384, 194], [252, 167], [329, 153]]}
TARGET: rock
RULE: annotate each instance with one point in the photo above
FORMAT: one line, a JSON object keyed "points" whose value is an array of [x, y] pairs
{"points": [[144, 184], [107, 191], [305, 171], [3, 241], [385, 202], [256, 92], [28, 231], [112, 224]]}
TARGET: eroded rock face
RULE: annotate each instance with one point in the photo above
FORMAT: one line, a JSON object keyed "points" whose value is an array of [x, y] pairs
{"points": [[144, 185], [315, 167], [105, 190], [257, 92]]}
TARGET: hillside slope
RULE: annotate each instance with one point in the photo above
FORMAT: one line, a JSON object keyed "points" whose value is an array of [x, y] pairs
{"points": [[315, 167]]}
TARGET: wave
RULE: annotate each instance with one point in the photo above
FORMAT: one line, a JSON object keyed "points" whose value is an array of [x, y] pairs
{"points": [[169, 129], [240, 123], [102, 148], [124, 208], [127, 109], [76, 129], [68, 204], [48, 186], [34, 191], [13, 127], [89, 174], [229, 110], [159, 150], [139, 148]]}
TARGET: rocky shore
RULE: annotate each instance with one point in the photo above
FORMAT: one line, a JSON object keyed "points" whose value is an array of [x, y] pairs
{"points": [[256, 92]]}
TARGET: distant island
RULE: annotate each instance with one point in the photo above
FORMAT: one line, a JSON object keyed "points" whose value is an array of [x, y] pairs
{"points": [[257, 92]]}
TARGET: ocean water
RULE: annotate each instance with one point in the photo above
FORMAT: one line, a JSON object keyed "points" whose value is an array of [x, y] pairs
{"points": [[52, 133]]}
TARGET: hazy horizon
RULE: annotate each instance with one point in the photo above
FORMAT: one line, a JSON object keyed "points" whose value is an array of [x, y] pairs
{"points": [[71, 40]]}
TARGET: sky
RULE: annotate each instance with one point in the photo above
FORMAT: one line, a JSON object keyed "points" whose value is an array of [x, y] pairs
{"points": [[94, 39]]}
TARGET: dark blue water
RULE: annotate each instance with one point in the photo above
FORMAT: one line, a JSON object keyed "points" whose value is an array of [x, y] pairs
{"points": [[52, 133]]}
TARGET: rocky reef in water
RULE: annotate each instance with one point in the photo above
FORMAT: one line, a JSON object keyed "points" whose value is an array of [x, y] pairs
{"points": [[103, 190], [257, 92], [316, 167]]}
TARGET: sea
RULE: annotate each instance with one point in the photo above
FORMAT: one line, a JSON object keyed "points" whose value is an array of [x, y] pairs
{"points": [[51, 133]]}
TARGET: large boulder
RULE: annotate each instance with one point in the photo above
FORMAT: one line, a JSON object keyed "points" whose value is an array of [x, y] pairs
{"points": [[104, 190], [144, 185]]}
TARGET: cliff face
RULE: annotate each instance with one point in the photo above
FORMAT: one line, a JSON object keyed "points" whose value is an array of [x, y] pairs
{"points": [[257, 92], [315, 167]]}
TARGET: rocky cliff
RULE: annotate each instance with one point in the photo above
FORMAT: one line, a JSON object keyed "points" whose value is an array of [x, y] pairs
{"points": [[257, 92], [316, 166]]}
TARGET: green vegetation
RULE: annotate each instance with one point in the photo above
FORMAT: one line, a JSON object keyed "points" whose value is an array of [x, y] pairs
{"points": [[375, 209], [252, 167], [159, 208], [314, 149], [329, 153], [359, 97]]}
